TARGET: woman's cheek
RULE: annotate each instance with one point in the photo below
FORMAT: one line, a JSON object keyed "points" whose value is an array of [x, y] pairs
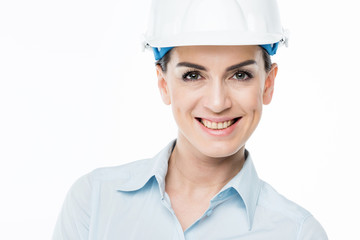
{"points": [[181, 100], [250, 100]]}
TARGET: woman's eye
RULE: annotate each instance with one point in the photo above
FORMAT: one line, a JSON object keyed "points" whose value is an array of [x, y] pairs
{"points": [[191, 76], [241, 76]]}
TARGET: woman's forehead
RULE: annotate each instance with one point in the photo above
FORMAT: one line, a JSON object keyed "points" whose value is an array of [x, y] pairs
{"points": [[216, 54], [191, 52]]}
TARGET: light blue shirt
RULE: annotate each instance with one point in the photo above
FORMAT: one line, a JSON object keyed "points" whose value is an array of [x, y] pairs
{"points": [[129, 202]]}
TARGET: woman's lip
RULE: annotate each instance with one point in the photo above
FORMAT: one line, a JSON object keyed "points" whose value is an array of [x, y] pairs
{"points": [[218, 119], [220, 132]]}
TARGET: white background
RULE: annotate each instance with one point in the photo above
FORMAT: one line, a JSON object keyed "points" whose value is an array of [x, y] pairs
{"points": [[77, 93]]}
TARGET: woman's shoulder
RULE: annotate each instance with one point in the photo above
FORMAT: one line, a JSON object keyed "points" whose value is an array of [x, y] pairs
{"points": [[278, 206], [121, 171], [83, 187], [272, 200], [77, 206], [112, 175]]}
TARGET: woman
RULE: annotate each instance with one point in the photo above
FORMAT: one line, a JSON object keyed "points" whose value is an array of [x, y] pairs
{"points": [[214, 69]]}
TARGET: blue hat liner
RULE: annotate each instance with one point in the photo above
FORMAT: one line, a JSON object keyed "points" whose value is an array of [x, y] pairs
{"points": [[160, 52], [270, 48]]}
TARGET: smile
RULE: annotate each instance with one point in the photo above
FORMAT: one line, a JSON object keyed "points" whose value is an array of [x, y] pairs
{"points": [[217, 125]]}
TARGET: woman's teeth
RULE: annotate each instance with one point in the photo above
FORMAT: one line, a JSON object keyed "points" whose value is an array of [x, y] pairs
{"points": [[217, 125]]}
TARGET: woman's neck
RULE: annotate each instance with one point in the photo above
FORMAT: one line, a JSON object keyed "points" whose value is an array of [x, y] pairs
{"points": [[191, 171]]}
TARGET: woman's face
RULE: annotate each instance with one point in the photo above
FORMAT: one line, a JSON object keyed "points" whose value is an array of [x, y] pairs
{"points": [[216, 94]]}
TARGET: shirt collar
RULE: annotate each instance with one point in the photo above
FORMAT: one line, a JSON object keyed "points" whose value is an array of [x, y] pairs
{"points": [[140, 172], [248, 185], [160, 168], [246, 182]]}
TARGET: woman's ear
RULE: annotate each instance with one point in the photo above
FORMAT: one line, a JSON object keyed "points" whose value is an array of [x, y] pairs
{"points": [[163, 85], [269, 84]]}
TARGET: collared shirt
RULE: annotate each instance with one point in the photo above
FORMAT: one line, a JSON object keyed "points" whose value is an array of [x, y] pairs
{"points": [[130, 202]]}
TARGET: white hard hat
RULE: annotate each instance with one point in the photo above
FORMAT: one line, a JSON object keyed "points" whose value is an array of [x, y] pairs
{"points": [[214, 22]]}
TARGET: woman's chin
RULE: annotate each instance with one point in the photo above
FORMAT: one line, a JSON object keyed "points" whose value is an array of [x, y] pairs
{"points": [[220, 150]]}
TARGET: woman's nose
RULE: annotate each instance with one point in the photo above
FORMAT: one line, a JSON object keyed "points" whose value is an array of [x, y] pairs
{"points": [[217, 97]]}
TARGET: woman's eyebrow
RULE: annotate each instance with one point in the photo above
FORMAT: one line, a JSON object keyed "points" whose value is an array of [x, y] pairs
{"points": [[233, 67], [191, 65], [239, 65]]}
